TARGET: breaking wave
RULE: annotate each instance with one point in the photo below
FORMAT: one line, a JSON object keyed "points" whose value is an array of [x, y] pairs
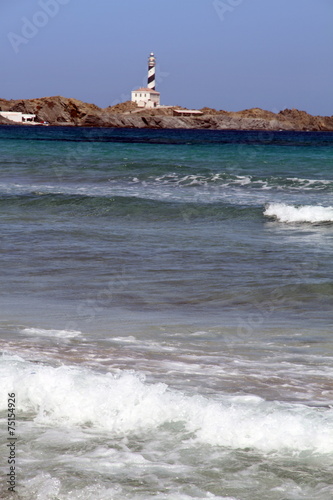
{"points": [[225, 179], [125, 403], [313, 214], [61, 334]]}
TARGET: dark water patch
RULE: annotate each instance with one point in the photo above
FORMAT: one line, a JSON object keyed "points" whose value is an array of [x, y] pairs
{"points": [[166, 136], [123, 206]]}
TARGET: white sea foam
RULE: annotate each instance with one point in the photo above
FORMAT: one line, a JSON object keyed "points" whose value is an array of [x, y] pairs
{"points": [[45, 487], [222, 179], [61, 334], [305, 213], [125, 403], [129, 339]]}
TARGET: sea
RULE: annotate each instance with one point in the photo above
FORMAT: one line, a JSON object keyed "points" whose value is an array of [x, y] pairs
{"points": [[166, 314]]}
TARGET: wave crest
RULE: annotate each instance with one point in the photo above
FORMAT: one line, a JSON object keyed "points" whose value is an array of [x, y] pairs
{"points": [[125, 403], [313, 214], [62, 334]]}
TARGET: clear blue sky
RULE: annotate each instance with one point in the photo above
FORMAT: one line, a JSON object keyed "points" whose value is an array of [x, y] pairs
{"points": [[226, 54]]}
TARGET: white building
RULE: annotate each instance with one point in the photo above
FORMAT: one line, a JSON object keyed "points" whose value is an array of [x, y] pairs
{"points": [[17, 116], [146, 98], [28, 117], [187, 112]]}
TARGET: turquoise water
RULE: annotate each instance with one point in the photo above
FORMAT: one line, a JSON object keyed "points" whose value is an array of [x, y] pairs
{"points": [[166, 313]]}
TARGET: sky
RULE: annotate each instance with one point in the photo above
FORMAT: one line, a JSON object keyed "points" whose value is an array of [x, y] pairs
{"points": [[224, 54]]}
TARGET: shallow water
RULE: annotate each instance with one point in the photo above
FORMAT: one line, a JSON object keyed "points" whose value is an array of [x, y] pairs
{"points": [[166, 313]]}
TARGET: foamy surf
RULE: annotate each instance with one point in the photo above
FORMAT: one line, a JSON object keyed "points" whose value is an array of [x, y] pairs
{"points": [[306, 213], [46, 487], [125, 404], [60, 334]]}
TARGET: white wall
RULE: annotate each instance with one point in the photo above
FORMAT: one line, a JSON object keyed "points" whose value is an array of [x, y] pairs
{"points": [[12, 115], [145, 99], [18, 117]]}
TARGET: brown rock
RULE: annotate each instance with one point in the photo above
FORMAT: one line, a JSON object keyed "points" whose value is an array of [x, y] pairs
{"points": [[63, 111]]}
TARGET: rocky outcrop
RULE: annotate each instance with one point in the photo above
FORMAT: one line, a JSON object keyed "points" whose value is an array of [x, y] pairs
{"points": [[306, 121], [55, 110], [63, 111]]}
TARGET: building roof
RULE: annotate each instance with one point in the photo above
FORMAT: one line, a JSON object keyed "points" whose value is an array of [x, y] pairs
{"points": [[188, 111], [145, 89]]}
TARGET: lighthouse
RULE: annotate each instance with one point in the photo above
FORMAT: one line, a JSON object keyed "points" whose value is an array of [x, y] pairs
{"points": [[148, 97], [151, 71]]}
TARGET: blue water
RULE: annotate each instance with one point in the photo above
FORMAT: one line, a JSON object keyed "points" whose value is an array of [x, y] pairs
{"points": [[166, 313]]}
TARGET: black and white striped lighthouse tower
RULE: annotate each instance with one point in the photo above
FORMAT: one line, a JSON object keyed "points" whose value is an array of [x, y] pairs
{"points": [[151, 71]]}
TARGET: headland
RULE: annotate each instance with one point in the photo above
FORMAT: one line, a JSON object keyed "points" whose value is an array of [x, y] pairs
{"points": [[72, 112]]}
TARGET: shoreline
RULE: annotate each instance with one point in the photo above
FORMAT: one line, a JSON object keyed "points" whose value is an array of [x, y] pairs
{"points": [[124, 127], [69, 126], [61, 111]]}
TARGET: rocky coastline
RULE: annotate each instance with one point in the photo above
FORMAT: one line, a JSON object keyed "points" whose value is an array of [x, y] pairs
{"points": [[72, 112]]}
